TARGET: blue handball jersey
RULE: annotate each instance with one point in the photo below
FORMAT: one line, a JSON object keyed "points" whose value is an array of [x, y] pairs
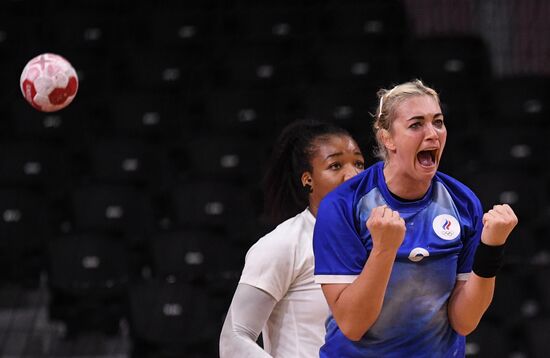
{"points": [[443, 231]]}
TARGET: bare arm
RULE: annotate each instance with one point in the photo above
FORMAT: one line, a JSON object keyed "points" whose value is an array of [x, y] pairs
{"points": [[356, 306], [247, 315], [470, 299]]}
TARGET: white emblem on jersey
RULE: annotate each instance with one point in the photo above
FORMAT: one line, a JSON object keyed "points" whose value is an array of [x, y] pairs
{"points": [[446, 227], [418, 253]]}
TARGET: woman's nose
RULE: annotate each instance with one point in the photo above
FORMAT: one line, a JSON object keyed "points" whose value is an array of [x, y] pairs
{"points": [[350, 172], [431, 131]]}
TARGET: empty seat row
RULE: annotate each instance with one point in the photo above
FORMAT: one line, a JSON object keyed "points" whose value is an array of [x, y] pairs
{"points": [[100, 25]]}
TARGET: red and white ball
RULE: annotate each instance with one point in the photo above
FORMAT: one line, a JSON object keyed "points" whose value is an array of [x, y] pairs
{"points": [[49, 82]]}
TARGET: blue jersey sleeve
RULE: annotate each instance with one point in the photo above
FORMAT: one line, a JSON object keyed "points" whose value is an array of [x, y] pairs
{"points": [[339, 252]]}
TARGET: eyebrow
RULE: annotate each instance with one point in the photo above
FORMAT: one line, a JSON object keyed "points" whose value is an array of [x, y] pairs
{"points": [[341, 153], [422, 117]]}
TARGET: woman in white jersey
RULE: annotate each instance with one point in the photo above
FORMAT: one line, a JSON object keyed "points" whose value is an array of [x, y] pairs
{"points": [[276, 294]]}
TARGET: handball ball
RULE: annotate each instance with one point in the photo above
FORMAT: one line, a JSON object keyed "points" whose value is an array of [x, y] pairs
{"points": [[49, 82]]}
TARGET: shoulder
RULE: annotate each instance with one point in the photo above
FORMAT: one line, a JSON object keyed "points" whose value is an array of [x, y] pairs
{"points": [[455, 186], [352, 189], [273, 263], [462, 195], [285, 237], [338, 211]]}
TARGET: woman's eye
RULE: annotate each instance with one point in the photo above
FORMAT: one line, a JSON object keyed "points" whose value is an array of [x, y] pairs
{"points": [[438, 123], [415, 125], [335, 166], [360, 165]]}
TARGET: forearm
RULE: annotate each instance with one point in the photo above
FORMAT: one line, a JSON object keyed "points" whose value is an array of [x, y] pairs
{"points": [[247, 315], [359, 304], [469, 301], [237, 341]]}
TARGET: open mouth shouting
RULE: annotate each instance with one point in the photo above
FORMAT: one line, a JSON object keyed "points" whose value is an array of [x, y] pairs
{"points": [[427, 158]]}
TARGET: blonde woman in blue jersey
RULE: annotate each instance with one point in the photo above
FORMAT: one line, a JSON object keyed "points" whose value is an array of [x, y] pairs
{"points": [[276, 294], [405, 254]]}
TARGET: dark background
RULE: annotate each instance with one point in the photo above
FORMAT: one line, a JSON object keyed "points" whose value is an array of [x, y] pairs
{"points": [[126, 216]]}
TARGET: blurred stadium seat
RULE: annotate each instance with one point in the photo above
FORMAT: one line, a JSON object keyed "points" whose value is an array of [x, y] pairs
{"points": [[25, 229], [382, 23], [120, 210], [148, 115], [488, 340], [217, 205], [40, 166], [356, 63], [515, 148], [537, 336], [249, 112], [131, 162], [265, 23], [526, 193], [187, 29], [345, 105], [522, 100], [171, 319], [511, 299], [163, 69], [199, 257], [542, 284], [88, 275], [268, 65], [95, 32], [451, 63], [231, 159]]}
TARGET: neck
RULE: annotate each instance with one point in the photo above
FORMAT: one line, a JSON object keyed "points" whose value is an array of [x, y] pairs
{"points": [[313, 209], [404, 186]]}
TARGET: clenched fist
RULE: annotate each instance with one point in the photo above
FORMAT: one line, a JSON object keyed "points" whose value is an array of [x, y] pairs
{"points": [[498, 223], [387, 228]]}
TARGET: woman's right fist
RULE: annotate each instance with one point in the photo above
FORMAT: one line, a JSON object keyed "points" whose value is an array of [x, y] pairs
{"points": [[387, 228]]}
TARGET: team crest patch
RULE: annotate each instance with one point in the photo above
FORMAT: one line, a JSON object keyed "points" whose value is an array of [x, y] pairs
{"points": [[446, 227]]}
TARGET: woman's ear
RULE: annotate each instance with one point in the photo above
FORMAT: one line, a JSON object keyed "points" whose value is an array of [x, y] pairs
{"points": [[386, 139], [306, 179], [307, 182]]}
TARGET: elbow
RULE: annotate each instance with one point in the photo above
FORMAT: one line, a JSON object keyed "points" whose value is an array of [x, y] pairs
{"points": [[464, 329], [226, 336], [354, 327], [222, 344], [352, 335], [352, 332], [464, 324]]}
